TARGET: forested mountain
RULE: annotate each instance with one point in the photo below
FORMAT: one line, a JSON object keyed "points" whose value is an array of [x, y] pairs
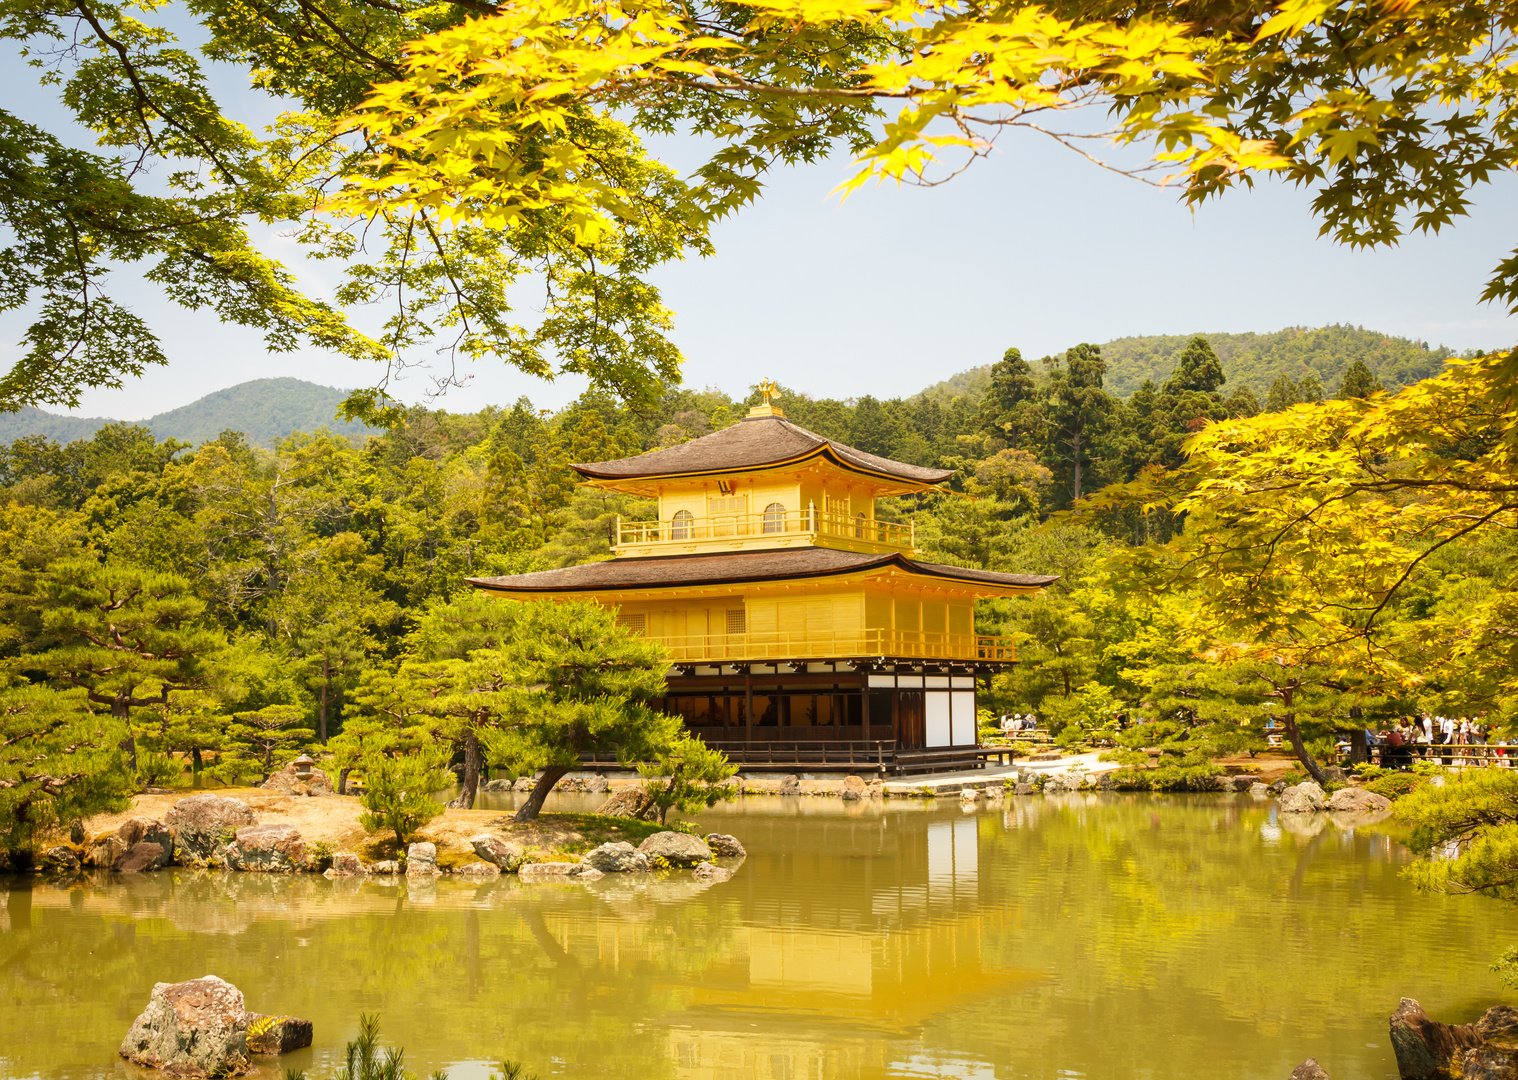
{"points": [[1252, 360], [264, 410]]}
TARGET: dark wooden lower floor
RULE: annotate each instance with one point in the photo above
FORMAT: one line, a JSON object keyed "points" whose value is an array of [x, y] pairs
{"points": [[889, 719]]}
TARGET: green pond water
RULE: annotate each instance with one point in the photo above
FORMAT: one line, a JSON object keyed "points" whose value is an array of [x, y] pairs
{"points": [[1077, 936]]}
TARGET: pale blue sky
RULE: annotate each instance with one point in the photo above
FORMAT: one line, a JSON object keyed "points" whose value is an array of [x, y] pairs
{"points": [[895, 289]]}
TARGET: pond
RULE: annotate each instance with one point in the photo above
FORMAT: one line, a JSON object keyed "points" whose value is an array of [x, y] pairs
{"points": [[1107, 936]]}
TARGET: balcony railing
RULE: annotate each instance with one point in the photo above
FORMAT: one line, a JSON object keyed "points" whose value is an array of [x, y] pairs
{"points": [[801, 524], [819, 645]]}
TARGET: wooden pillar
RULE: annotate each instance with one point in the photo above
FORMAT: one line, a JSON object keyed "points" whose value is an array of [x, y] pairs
{"points": [[748, 708]]}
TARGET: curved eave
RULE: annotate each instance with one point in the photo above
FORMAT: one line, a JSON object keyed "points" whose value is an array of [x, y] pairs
{"points": [[888, 564], [823, 451]]}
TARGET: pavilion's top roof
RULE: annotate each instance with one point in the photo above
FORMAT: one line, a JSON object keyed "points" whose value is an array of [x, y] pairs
{"points": [[757, 442], [739, 567]]}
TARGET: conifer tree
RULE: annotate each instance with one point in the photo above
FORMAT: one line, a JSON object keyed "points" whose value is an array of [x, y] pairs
{"points": [[128, 638], [575, 682], [1358, 381]]}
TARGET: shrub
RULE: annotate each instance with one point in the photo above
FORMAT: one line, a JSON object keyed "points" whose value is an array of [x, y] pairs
{"points": [[1394, 785], [156, 769], [687, 774], [398, 794]]}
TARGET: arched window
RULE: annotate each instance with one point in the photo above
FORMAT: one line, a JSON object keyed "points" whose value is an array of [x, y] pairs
{"points": [[859, 527], [681, 525], [774, 518]]}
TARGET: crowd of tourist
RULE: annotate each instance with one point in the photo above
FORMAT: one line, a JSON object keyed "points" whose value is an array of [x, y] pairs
{"points": [[1439, 737]]}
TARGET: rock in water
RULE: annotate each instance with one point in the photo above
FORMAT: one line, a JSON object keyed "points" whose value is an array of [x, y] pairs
{"points": [[497, 785], [1356, 799], [724, 846], [346, 864], [709, 872], [495, 850], [269, 849], [1499, 1027], [1423, 1046], [144, 831], [277, 1034], [1308, 1070], [197, 1028], [524, 783], [676, 849], [618, 858], [597, 785], [480, 870], [1258, 791], [1305, 798], [421, 860], [59, 860], [631, 802], [790, 785], [1487, 1063], [206, 825], [853, 788]]}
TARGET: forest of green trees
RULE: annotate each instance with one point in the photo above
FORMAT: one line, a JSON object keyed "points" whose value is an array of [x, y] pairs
{"points": [[307, 594]]}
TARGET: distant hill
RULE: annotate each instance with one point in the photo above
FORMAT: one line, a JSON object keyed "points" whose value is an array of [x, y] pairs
{"points": [[265, 410], [1252, 360]]}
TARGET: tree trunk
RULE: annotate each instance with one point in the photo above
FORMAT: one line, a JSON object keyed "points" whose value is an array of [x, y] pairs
{"points": [[471, 778], [197, 764], [322, 706], [1077, 472], [1307, 760], [120, 711], [551, 776], [342, 779], [1359, 747]]}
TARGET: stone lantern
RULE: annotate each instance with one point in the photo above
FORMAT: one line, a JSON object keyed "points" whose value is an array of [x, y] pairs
{"points": [[303, 768]]}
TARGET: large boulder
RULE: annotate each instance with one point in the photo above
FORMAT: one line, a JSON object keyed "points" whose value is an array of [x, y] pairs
{"points": [[496, 785], [524, 783], [618, 858], [597, 784], [346, 864], [267, 849], [421, 860], [1487, 1063], [631, 802], [1423, 1046], [1308, 1070], [675, 849], [197, 1028], [205, 826], [1499, 1027], [154, 837], [277, 1034], [1356, 800], [790, 785], [1244, 783], [1305, 798], [853, 789], [495, 850], [724, 846], [288, 783]]}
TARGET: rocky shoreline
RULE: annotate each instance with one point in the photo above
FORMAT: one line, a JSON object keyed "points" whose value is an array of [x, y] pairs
{"points": [[219, 832]]}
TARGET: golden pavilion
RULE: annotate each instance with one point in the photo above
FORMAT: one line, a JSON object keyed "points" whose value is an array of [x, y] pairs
{"points": [[802, 631]]}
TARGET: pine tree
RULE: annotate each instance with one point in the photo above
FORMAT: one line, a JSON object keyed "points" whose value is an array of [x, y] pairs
{"points": [[574, 682], [1358, 381], [128, 638], [59, 763], [1242, 404], [1198, 369], [1283, 395]]}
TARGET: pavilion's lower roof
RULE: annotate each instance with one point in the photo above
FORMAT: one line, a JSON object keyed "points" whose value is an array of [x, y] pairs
{"points": [[662, 572]]}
